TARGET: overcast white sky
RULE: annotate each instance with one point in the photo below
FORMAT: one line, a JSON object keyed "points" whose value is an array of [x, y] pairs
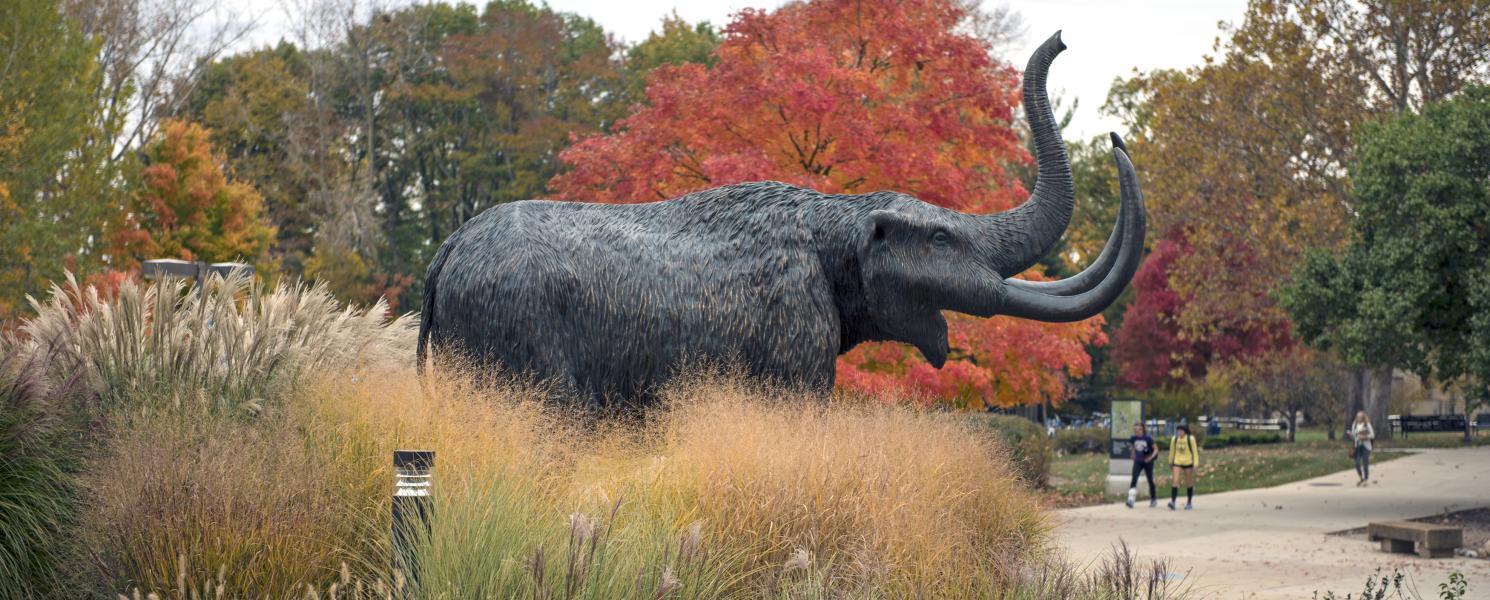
{"points": [[1105, 38]]}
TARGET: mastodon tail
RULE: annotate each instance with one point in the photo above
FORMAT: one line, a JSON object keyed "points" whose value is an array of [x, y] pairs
{"points": [[427, 311]]}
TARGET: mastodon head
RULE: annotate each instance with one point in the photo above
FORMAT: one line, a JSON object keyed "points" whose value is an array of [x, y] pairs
{"points": [[918, 260]]}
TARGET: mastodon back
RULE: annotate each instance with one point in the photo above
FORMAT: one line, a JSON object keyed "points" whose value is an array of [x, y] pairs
{"points": [[427, 310]]}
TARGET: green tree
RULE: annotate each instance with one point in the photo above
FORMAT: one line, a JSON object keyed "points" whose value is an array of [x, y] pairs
{"points": [[1091, 223], [268, 113], [677, 43], [451, 112], [262, 118], [1249, 152], [52, 188], [1413, 286]]}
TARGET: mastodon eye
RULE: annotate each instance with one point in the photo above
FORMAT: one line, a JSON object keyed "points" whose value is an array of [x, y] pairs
{"points": [[941, 237]]}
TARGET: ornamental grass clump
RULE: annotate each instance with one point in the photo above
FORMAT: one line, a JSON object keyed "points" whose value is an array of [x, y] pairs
{"points": [[517, 513], [249, 503], [41, 424], [729, 489], [229, 345], [884, 498]]}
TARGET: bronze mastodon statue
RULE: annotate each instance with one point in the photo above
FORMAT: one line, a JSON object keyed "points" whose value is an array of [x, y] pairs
{"points": [[608, 300]]}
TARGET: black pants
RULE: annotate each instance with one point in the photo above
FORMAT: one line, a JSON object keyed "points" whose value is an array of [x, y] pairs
{"points": [[1147, 468]]}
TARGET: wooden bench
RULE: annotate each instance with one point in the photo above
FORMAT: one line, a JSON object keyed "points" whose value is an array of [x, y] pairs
{"points": [[1432, 541], [1406, 424]]}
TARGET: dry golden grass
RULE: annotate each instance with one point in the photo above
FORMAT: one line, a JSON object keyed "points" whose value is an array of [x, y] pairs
{"points": [[249, 499], [878, 495], [730, 490], [865, 496]]}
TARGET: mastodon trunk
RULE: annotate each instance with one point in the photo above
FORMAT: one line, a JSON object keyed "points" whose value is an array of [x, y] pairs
{"points": [[1035, 226]]}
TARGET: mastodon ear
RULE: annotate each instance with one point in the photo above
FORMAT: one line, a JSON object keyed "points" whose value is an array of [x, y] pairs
{"points": [[898, 308], [881, 225], [882, 251]]}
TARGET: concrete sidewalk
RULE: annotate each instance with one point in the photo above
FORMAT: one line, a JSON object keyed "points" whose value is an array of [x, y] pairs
{"points": [[1272, 542]]}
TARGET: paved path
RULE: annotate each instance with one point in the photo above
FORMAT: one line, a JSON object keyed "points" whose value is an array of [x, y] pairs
{"points": [[1272, 542]]}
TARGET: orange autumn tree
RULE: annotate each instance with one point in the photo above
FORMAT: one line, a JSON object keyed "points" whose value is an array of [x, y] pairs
{"points": [[185, 207], [851, 96]]}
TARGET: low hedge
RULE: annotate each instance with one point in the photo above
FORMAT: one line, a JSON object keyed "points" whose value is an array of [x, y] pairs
{"points": [[1029, 447], [1081, 440], [1241, 438], [1095, 439], [1223, 440]]}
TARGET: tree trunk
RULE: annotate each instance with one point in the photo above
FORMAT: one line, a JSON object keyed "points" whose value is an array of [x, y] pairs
{"points": [[1343, 405], [1377, 396], [1360, 387], [1473, 400]]}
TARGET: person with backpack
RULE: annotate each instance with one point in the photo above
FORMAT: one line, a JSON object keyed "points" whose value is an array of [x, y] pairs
{"points": [[1144, 453], [1184, 456]]}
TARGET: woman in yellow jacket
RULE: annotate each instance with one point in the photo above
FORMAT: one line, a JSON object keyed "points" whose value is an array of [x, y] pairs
{"points": [[1184, 456]]}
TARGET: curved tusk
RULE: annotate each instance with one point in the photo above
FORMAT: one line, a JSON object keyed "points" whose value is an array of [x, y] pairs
{"points": [[1021, 301], [1089, 277]]}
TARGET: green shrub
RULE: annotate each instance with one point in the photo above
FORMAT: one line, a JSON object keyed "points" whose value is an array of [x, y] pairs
{"points": [[1029, 447], [1382, 586], [1223, 440], [1085, 439], [1241, 438], [1162, 442]]}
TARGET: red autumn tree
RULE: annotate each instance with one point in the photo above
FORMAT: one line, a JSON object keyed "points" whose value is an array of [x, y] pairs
{"points": [[1153, 350], [1148, 348], [850, 96]]}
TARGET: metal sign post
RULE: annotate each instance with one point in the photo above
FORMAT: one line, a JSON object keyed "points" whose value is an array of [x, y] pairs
{"points": [[1125, 414]]}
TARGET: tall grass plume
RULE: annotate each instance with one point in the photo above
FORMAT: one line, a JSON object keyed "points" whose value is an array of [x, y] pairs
{"points": [[230, 344]]}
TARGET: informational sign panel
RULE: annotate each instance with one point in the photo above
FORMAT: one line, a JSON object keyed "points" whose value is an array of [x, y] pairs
{"points": [[1125, 414]]}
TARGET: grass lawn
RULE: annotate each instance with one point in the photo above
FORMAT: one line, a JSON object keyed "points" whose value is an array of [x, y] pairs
{"points": [[1078, 478]]}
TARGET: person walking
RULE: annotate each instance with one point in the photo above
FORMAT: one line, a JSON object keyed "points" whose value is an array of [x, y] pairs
{"points": [[1184, 456], [1144, 454], [1361, 434]]}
